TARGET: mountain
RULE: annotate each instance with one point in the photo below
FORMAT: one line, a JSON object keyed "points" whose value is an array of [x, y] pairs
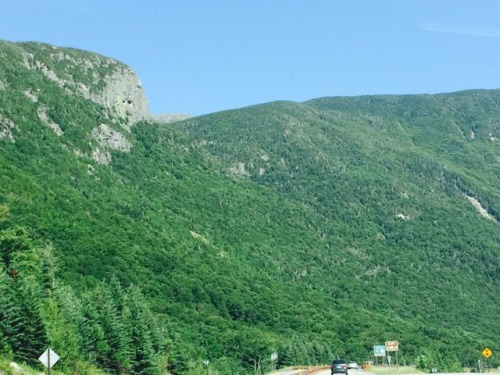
{"points": [[312, 230]]}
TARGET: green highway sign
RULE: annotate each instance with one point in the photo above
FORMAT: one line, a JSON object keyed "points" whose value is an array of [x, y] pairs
{"points": [[379, 350]]}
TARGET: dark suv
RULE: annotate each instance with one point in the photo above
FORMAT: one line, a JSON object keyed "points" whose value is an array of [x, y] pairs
{"points": [[339, 366]]}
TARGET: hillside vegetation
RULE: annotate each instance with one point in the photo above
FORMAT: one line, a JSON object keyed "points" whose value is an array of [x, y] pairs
{"points": [[312, 230]]}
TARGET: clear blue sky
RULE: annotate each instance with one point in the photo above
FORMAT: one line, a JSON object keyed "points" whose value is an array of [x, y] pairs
{"points": [[203, 56]]}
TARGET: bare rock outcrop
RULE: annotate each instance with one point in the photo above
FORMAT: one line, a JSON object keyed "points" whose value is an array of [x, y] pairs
{"points": [[103, 80], [108, 138], [114, 88], [170, 117], [6, 127]]}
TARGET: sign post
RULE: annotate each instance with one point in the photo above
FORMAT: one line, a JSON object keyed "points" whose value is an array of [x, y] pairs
{"points": [[274, 357], [487, 353], [378, 351], [392, 346], [49, 359]]}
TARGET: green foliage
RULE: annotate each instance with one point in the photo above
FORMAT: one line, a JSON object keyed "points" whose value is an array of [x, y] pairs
{"points": [[22, 330], [313, 230], [110, 327], [422, 363]]}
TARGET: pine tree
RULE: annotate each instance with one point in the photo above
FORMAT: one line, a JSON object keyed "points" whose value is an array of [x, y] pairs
{"points": [[110, 338], [62, 333], [6, 301], [23, 329], [145, 336], [71, 308], [95, 345]]}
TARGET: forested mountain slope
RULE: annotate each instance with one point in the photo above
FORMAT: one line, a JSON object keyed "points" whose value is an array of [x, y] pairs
{"points": [[311, 229]]}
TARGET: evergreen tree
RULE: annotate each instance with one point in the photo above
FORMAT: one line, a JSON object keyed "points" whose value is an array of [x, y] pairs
{"points": [[71, 308], [23, 325], [6, 313], [13, 240], [146, 340], [62, 333], [23, 329], [95, 346], [110, 337]]}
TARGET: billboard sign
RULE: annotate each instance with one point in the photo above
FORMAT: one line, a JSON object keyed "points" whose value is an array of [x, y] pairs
{"points": [[391, 346], [379, 350]]}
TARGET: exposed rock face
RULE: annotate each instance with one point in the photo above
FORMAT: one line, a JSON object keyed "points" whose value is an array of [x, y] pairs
{"points": [[101, 156], [6, 127], [113, 88], [123, 93], [479, 207], [110, 138], [239, 169], [42, 115], [102, 80], [170, 117]]}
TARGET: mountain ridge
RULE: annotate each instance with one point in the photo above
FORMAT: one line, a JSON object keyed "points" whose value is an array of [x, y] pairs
{"points": [[308, 229]]}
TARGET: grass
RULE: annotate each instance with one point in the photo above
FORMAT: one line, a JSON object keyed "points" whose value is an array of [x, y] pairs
{"points": [[7, 369]]}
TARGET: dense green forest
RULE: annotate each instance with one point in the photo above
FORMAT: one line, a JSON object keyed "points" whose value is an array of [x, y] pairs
{"points": [[312, 230]]}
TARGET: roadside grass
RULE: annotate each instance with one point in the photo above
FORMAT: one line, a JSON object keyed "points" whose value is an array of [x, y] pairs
{"points": [[7, 369], [81, 368]]}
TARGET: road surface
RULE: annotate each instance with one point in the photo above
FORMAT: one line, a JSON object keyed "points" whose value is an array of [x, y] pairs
{"points": [[320, 370], [326, 371]]}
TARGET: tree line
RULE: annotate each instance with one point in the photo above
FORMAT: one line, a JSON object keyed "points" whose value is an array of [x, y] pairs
{"points": [[110, 327]]}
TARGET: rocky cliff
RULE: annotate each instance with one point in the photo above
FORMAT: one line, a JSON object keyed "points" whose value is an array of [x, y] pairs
{"points": [[112, 87]]}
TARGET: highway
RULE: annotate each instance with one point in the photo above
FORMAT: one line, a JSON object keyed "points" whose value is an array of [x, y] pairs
{"points": [[314, 370], [325, 370]]}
